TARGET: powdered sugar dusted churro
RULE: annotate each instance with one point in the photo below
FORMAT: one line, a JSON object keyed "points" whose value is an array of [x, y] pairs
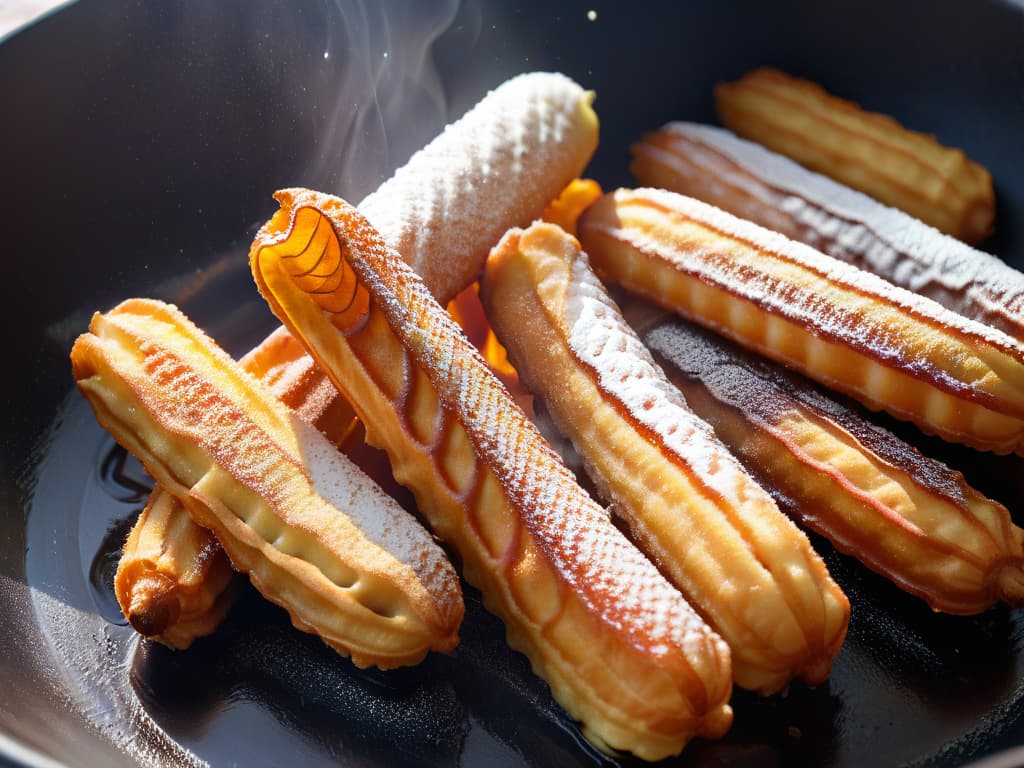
{"points": [[846, 328], [173, 580], [755, 183], [313, 533], [690, 505], [442, 211], [497, 167], [908, 517], [622, 650]]}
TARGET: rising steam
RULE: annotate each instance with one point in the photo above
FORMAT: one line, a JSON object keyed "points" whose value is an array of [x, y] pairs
{"points": [[389, 100]]}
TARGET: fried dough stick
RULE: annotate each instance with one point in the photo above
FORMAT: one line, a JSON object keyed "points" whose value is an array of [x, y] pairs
{"points": [[174, 582], [498, 166], [846, 328], [688, 502], [906, 516], [621, 649], [312, 531], [865, 150], [755, 183]]}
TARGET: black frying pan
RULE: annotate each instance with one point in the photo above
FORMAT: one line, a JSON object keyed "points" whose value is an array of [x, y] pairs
{"points": [[141, 142]]}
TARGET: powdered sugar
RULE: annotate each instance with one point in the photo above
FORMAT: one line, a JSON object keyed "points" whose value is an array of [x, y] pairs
{"points": [[379, 517], [804, 303], [198, 396], [497, 166], [853, 227], [601, 339], [608, 573]]}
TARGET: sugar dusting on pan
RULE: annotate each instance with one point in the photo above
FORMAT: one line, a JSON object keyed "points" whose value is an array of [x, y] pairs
{"points": [[92, 659], [74, 504]]}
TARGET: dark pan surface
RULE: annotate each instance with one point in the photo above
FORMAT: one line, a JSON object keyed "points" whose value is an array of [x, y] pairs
{"points": [[141, 143]]}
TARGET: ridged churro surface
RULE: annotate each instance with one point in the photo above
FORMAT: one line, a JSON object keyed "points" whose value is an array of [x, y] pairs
{"points": [[621, 649], [313, 533], [690, 505], [283, 365], [755, 183], [904, 515], [844, 327], [442, 211], [867, 151], [174, 583]]}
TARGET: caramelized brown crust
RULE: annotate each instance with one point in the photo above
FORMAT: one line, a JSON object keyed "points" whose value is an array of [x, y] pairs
{"points": [[174, 583], [769, 189], [908, 517], [313, 533], [690, 505], [621, 649], [864, 150], [846, 328]]}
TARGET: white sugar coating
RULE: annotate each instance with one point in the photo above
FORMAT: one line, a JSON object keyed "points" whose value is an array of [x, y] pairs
{"points": [[379, 517], [497, 166], [808, 308], [852, 225], [600, 337], [711, 175], [608, 573]]}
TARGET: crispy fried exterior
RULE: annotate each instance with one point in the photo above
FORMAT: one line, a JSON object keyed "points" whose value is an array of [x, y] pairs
{"points": [[621, 649], [313, 533], [906, 516], [769, 189], [864, 150], [844, 327], [442, 211], [689, 504], [174, 583]]}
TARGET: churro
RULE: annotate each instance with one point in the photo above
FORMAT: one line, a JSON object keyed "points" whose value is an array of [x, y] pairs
{"points": [[497, 167], [906, 516], [755, 183], [442, 211], [174, 583], [865, 150], [846, 328], [313, 533], [621, 649], [688, 502]]}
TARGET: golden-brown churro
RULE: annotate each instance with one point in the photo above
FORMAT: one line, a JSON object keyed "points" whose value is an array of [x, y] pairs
{"points": [[442, 211], [846, 328], [313, 533], [688, 502], [908, 517], [755, 183], [867, 151], [621, 649], [174, 583]]}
